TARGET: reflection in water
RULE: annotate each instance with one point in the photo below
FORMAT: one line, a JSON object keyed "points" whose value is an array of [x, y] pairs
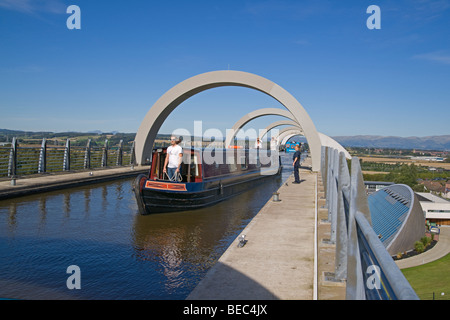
{"points": [[87, 200], [12, 217], [188, 243], [43, 213], [67, 204], [121, 254]]}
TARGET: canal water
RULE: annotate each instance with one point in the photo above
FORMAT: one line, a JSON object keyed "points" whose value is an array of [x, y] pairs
{"points": [[120, 254]]}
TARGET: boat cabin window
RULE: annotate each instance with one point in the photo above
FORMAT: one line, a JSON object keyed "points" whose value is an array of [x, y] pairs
{"points": [[190, 170], [226, 162], [156, 171]]}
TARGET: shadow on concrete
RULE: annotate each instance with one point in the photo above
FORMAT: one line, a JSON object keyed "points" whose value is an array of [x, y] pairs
{"points": [[232, 285]]}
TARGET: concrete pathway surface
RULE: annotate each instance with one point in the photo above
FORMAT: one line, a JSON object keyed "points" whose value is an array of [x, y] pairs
{"points": [[277, 261], [441, 249]]}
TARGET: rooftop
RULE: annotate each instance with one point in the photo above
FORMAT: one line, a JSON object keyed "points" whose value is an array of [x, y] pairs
{"points": [[428, 197]]}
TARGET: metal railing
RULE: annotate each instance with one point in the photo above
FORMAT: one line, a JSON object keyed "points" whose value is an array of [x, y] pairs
{"points": [[18, 160], [361, 258]]}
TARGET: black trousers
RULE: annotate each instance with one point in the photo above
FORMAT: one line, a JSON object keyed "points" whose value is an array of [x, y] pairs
{"points": [[296, 173]]}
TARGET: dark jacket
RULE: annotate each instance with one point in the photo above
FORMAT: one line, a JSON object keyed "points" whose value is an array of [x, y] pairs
{"points": [[297, 155]]}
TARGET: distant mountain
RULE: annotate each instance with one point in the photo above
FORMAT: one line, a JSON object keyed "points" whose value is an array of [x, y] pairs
{"points": [[101, 132], [13, 132], [422, 143], [95, 131]]}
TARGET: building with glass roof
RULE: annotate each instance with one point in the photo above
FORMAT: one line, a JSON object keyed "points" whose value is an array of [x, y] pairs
{"points": [[397, 217]]}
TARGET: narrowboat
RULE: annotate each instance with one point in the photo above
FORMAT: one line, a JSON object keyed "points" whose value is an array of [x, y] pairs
{"points": [[207, 176]]}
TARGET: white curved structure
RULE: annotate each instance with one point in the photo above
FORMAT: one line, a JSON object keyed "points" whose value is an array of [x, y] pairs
{"points": [[254, 115], [290, 129], [158, 113], [277, 124], [285, 137], [324, 139], [330, 142]]}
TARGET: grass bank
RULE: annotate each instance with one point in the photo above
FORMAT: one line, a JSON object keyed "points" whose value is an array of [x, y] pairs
{"points": [[429, 278]]}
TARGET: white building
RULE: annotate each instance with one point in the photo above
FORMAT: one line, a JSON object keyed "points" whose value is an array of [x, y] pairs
{"points": [[436, 209]]}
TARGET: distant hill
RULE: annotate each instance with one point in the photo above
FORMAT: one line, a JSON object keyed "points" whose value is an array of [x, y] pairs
{"points": [[422, 143], [20, 132]]}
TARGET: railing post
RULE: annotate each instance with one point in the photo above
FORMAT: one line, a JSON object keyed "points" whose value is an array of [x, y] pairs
{"points": [[87, 155], [66, 162], [355, 280], [331, 190], [132, 155], [12, 164], [329, 185], [325, 174], [105, 154], [341, 226], [363, 204], [334, 192], [43, 157], [119, 154]]}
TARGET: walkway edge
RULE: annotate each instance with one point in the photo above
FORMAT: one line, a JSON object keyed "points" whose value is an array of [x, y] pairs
{"points": [[277, 261], [47, 183]]}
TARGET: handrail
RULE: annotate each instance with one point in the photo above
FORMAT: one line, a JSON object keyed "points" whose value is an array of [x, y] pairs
{"points": [[395, 286], [361, 258], [18, 160]]}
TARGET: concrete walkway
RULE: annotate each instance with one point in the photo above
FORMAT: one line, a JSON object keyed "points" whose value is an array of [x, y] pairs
{"points": [[441, 249], [49, 182], [277, 262]]}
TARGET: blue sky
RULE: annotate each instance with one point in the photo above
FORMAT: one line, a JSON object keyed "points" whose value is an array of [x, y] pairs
{"points": [[106, 76]]}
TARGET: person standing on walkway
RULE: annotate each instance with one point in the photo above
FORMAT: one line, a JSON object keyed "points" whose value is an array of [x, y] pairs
{"points": [[296, 158], [258, 144], [173, 160]]}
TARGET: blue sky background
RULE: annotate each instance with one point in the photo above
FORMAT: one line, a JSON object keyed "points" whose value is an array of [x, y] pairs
{"points": [[106, 76]]}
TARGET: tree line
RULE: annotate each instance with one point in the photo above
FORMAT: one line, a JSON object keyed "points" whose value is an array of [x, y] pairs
{"points": [[409, 174]]}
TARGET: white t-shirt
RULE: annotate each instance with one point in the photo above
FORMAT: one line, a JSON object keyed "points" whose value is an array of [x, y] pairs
{"points": [[174, 156]]}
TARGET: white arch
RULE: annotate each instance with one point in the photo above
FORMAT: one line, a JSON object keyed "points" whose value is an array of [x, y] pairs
{"points": [[330, 142], [155, 117], [253, 115], [289, 129], [291, 135], [293, 132], [277, 124], [325, 140]]}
